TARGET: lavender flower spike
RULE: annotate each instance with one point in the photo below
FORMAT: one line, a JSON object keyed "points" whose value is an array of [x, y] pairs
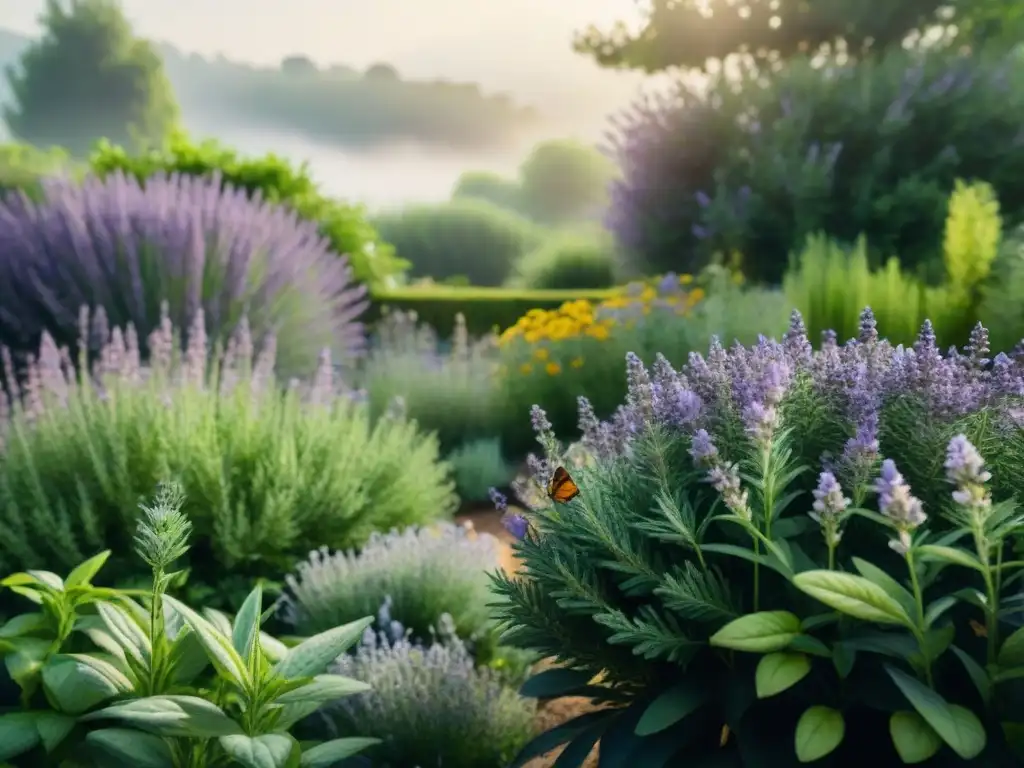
{"points": [[896, 502], [966, 470], [725, 478], [702, 450], [829, 506], [516, 524]]}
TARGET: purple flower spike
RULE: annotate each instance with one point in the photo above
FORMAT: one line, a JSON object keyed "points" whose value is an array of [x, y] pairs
{"points": [[516, 524], [896, 502], [703, 451]]}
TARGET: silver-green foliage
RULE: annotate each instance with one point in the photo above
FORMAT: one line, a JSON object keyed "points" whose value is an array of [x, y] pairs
{"points": [[270, 473], [111, 678]]}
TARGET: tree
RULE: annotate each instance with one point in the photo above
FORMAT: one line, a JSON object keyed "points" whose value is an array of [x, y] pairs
{"points": [[298, 66], [88, 78], [382, 73], [563, 181], [690, 33]]}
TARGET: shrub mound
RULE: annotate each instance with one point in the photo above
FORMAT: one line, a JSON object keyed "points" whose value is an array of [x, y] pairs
{"points": [[270, 474], [584, 259], [779, 555], [125, 247], [466, 237]]}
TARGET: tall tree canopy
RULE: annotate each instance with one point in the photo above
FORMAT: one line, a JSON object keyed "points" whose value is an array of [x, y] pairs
{"points": [[87, 78], [689, 33]]}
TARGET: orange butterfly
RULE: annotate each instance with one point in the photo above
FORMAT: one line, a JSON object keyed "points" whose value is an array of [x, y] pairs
{"points": [[980, 630], [562, 488]]}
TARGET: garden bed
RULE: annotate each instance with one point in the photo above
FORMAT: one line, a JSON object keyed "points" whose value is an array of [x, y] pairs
{"points": [[485, 519]]}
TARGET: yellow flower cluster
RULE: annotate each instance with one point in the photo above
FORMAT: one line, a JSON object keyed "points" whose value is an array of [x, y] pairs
{"points": [[581, 319]]}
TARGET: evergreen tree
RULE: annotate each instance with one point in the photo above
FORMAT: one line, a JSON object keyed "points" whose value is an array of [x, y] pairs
{"points": [[87, 78]]}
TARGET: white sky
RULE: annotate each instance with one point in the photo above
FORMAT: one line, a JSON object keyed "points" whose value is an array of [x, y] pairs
{"points": [[440, 32]]}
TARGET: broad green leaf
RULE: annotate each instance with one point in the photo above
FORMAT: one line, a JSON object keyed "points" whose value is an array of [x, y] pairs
{"points": [[84, 572], [25, 661], [53, 728], [188, 657], [134, 748], [35, 594], [272, 750], [272, 648], [18, 734], [853, 595], [24, 624], [247, 625], [330, 752], [914, 739], [818, 732], [761, 632], [77, 682], [49, 579], [312, 656], [937, 608], [554, 683], [184, 716], [958, 727], [126, 632], [893, 588], [812, 646], [950, 555], [218, 647], [322, 689], [977, 674], [778, 672], [669, 708], [1011, 653], [219, 619]]}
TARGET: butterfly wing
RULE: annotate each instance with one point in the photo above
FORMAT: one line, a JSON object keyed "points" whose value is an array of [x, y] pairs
{"points": [[562, 487]]}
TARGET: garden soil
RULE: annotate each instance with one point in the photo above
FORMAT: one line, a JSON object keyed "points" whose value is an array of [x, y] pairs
{"points": [[549, 713]]}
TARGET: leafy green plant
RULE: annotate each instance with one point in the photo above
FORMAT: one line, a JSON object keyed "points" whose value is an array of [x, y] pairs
{"points": [[479, 466], [107, 678], [830, 285], [466, 236], [270, 473], [779, 556], [1002, 307], [571, 259]]}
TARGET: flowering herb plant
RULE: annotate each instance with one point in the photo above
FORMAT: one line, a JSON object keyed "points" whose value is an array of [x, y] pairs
{"points": [[780, 555], [108, 679]]}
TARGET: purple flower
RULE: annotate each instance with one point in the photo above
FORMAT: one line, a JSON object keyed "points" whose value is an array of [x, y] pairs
{"points": [[516, 524], [964, 464], [702, 450], [725, 478], [896, 502], [829, 506], [498, 499]]}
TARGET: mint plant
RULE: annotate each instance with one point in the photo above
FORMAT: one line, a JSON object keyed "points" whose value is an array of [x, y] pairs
{"points": [[112, 677], [781, 556]]}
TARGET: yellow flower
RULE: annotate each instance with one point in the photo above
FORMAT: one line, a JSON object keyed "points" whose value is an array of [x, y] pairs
{"points": [[685, 279], [553, 368], [541, 353], [598, 332], [577, 362], [697, 294], [526, 369], [531, 337]]}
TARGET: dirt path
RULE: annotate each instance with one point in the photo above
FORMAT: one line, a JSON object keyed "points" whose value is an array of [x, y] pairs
{"points": [[549, 714]]}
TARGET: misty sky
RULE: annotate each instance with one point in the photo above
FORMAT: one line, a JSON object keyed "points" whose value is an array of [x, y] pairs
{"points": [[443, 38]]}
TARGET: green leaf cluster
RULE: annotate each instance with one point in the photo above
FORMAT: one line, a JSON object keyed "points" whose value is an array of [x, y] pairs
{"points": [[734, 634], [112, 677]]}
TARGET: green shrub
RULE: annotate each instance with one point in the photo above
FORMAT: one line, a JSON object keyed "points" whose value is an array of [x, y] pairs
{"points": [[276, 180], [755, 162], [270, 474], [450, 392], [22, 167], [428, 704], [418, 574], [563, 181], [490, 187], [478, 466], [570, 260], [1002, 303], [462, 237], [780, 556], [484, 310], [110, 680]]}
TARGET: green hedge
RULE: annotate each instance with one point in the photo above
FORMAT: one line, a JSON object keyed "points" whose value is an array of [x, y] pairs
{"points": [[483, 308]]}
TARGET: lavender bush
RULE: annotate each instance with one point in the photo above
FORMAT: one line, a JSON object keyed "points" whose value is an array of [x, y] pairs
{"points": [[755, 164], [421, 573], [780, 555], [428, 705], [192, 241], [270, 473]]}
